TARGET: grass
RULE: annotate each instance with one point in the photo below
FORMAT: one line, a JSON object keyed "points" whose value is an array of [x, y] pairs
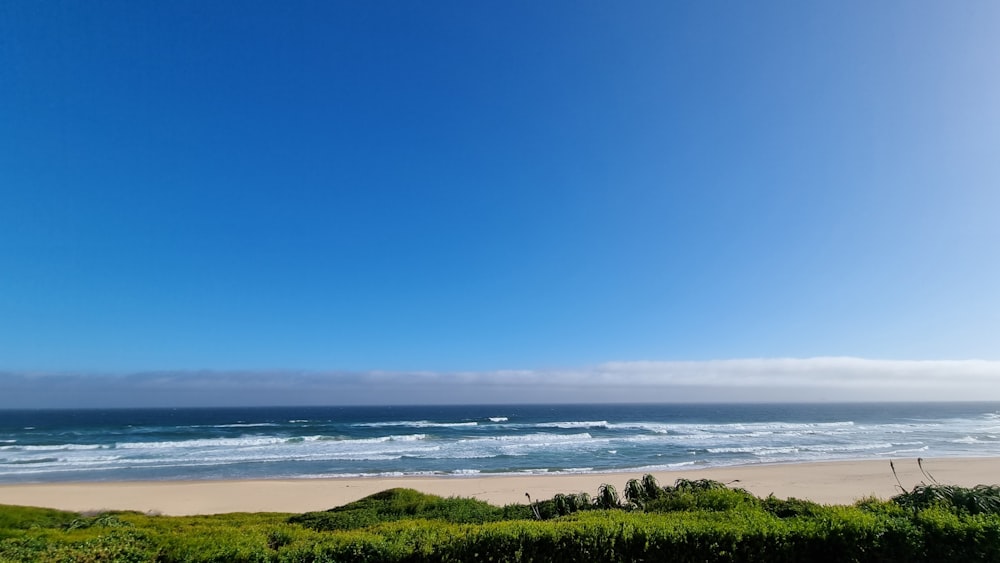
{"points": [[686, 521], [407, 504]]}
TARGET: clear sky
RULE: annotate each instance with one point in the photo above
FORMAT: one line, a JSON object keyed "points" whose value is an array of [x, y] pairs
{"points": [[253, 191]]}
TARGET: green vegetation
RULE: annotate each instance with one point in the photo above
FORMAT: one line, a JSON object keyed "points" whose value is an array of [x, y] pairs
{"points": [[982, 499], [407, 504], [688, 521]]}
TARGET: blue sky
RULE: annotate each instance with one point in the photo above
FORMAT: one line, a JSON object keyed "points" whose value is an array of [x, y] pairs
{"points": [[490, 187]]}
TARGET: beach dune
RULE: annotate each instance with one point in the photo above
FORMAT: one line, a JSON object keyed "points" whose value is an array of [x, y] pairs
{"points": [[841, 482]]}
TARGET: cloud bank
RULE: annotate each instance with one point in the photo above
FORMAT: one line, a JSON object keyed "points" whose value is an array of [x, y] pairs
{"points": [[737, 380]]}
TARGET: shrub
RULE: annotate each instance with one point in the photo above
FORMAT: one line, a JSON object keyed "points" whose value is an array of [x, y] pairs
{"points": [[398, 504], [702, 494], [981, 499], [687, 522], [788, 508], [24, 517]]}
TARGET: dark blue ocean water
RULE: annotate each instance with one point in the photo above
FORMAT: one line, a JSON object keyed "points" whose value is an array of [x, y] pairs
{"points": [[309, 442]]}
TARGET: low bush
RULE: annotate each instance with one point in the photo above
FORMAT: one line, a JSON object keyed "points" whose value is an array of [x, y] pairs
{"points": [[687, 522], [791, 507], [400, 504], [14, 518], [981, 499], [702, 494]]}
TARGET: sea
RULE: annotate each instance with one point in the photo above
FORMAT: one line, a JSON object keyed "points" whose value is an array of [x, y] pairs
{"points": [[459, 441]]}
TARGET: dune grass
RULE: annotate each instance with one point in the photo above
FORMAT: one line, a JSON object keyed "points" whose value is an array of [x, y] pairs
{"points": [[687, 521]]}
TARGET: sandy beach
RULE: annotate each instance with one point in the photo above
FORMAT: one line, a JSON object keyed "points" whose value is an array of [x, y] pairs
{"points": [[839, 482]]}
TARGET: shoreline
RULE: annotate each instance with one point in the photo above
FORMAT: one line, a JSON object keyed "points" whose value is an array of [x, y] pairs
{"points": [[829, 482]]}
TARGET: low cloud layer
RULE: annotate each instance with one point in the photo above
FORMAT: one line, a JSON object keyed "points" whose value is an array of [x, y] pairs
{"points": [[768, 379]]}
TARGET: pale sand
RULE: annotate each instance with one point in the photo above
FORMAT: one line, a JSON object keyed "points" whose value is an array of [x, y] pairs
{"points": [[828, 483]]}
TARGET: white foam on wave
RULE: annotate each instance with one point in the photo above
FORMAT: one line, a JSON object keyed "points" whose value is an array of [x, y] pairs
{"points": [[655, 427], [373, 475], [245, 425], [846, 447], [393, 438], [415, 424], [681, 464], [901, 452], [28, 460], [203, 443], [512, 445], [755, 450], [967, 440], [723, 431], [549, 471], [90, 460], [217, 452], [574, 424], [56, 447], [409, 447], [261, 441], [743, 427], [318, 451], [533, 438]]}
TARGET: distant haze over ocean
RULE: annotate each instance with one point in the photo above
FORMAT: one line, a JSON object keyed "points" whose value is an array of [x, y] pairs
{"points": [[767, 380]]}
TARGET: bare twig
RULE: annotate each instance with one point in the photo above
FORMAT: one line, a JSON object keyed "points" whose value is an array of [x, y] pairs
{"points": [[920, 464], [534, 508], [893, 467]]}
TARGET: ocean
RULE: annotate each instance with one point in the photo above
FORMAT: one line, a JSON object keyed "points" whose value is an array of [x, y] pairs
{"points": [[315, 442]]}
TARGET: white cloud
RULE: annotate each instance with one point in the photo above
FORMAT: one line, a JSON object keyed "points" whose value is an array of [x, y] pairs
{"points": [[761, 379], [834, 372]]}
